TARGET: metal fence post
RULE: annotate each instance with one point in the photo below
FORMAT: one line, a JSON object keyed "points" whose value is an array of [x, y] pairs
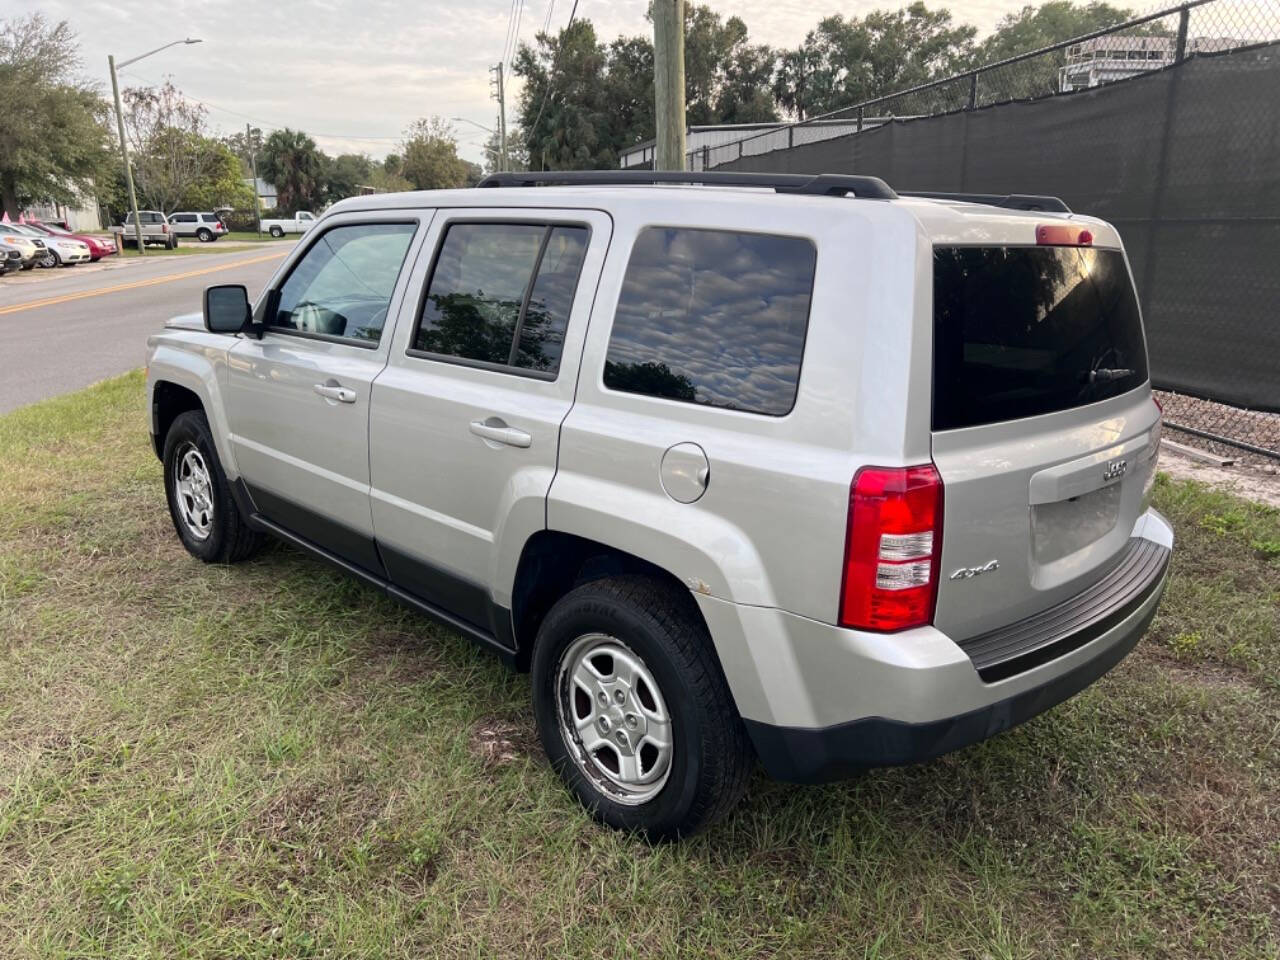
{"points": [[706, 157], [1184, 19], [973, 91], [859, 119], [791, 137]]}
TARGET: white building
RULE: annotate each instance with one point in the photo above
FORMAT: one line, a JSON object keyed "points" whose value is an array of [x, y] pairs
{"points": [[1107, 59]]}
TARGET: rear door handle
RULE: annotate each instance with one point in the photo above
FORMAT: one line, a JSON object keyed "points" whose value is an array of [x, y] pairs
{"points": [[496, 431], [331, 391]]}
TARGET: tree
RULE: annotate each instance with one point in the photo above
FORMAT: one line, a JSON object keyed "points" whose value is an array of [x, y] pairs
{"points": [[385, 177], [170, 152], [295, 166], [53, 127], [220, 183], [517, 157], [1034, 27], [431, 160], [246, 147], [345, 174], [564, 108], [726, 77], [845, 61]]}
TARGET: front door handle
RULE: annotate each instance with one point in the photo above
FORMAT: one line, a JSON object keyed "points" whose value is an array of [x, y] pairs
{"points": [[331, 391], [496, 431]]}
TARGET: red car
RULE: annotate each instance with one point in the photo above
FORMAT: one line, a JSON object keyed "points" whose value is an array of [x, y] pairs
{"points": [[99, 247]]}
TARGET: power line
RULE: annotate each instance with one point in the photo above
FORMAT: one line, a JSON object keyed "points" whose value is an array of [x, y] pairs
{"points": [[515, 40], [511, 19], [546, 21], [555, 59]]}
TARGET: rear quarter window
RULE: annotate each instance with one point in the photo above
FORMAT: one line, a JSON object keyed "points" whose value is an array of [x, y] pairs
{"points": [[713, 317]]}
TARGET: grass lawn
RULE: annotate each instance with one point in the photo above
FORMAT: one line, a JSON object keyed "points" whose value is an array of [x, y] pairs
{"points": [[274, 761]]}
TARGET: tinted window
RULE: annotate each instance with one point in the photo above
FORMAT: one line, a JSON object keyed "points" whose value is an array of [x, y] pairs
{"points": [[342, 286], [1024, 331], [713, 317], [501, 293], [183, 218]]}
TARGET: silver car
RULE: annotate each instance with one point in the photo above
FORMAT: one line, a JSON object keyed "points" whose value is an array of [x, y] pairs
{"points": [[739, 467], [205, 227]]}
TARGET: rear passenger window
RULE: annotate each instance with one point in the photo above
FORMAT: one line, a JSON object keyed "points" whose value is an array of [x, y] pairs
{"points": [[713, 317], [500, 294]]}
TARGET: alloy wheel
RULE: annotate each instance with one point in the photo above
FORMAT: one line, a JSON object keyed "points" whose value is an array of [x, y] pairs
{"points": [[615, 723], [193, 490]]}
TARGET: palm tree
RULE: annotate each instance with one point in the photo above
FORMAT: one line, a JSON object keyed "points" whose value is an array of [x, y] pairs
{"points": [[292, 162]]}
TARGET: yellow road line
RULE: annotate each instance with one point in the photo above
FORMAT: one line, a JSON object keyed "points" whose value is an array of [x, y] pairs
{"points": [[167, 278]]}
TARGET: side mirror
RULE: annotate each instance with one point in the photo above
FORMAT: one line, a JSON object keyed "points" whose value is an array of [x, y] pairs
{"points": [[226, 308]]}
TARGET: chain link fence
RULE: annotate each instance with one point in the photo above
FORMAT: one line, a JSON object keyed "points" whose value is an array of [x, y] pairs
{"points": [[1168, 126]]}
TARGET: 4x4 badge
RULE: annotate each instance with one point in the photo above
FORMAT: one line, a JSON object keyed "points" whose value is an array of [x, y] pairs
{"points": [[1115, 469], [968, 573]]}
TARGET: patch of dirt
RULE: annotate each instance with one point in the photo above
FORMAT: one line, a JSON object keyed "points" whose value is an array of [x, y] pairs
{"points": [[1242, 479], [498, 742]]}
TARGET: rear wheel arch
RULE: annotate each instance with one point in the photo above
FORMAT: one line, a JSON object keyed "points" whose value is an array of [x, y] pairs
{"points": [[553, 563]]}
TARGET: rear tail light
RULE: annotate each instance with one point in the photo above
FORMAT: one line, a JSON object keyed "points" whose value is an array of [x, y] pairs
{"points": [[892, 549], [1061, 235], [164, 228]]}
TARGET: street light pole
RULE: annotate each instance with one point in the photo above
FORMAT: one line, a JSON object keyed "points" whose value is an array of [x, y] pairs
{"points": [[124, 155], [124, 146]]}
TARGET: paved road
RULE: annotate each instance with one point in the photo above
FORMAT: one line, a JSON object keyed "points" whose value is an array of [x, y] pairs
{"points": [[61, 330]]}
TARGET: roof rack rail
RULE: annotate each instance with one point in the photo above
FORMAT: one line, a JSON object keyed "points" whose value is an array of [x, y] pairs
{"points": [[1012, 201], [827, 184]]}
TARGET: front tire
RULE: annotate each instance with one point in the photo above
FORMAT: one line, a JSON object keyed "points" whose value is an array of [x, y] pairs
{"points": [[204, 512], [51, 260], [634, 711]]}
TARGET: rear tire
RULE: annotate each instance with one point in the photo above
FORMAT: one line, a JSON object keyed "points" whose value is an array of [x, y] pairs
{"points": [[634, 632], [204, 512], [204, 235], [277, 232]]}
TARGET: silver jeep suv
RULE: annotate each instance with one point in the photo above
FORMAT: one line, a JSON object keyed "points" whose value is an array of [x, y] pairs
{"points": [[737, 466]]}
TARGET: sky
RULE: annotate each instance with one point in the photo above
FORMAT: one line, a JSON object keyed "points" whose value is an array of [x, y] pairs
{"points": [[354, 73]]}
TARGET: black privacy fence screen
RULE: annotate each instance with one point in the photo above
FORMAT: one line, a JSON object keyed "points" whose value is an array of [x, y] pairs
{"points": [[1167, 126]]}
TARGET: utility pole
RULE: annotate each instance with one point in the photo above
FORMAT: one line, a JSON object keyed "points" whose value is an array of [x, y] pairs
{"points": [[253, 163], [668, 83], [124, 155], [124, 147], [500, 96]]}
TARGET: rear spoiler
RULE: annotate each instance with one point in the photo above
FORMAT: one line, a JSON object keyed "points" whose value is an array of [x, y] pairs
{"points": [[1011, 201]]}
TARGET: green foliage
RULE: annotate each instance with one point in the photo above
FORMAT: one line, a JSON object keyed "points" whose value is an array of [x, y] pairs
{"points": [[294, 164], [53, 127], [431, 160], [345, 174], [845, 61], [585, 101]]}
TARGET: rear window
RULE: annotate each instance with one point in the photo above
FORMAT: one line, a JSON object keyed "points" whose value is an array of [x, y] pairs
{"points": [[1024, 331], [713, 317]]}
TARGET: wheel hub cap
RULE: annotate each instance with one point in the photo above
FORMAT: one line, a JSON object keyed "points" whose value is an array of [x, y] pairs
{"points": [[193, 487], [613, 718]]}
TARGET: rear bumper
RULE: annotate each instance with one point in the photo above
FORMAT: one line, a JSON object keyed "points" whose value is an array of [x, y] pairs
{"points": [[821, 703]]}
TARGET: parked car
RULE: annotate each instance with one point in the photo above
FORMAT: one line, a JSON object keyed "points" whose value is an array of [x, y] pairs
{"points": [[32, 247], [820, 474], [58, 251], [10, 258], [99, 247], [299, 223], [155, 230], [205, 227]]}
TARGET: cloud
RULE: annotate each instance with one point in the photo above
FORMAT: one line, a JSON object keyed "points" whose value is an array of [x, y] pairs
{"points": [[355, 73]]}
